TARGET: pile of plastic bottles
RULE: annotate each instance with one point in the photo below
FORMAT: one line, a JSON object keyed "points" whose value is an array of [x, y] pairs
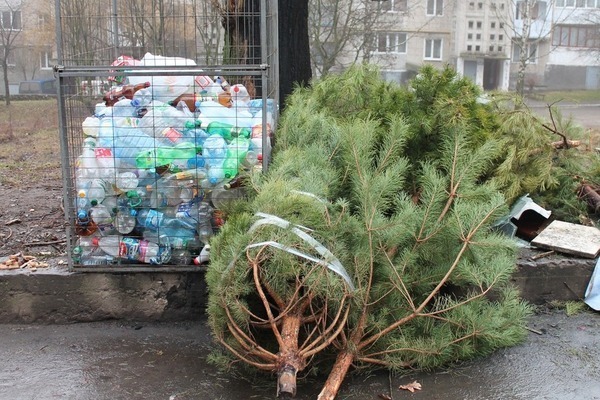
{"points": [[151, 172]]}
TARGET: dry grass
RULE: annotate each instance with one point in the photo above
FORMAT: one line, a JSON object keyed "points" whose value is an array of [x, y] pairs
{"points": [[29, 143]]}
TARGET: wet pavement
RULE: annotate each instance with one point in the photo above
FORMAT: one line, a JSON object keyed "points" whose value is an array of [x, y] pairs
{"points": [[168, 361]]}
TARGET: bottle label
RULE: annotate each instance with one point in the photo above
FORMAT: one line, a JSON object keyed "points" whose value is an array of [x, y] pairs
{"points": [[172, 134], [183, 210], [153, 219], [102, 152], [203, 81], [133, 249]]}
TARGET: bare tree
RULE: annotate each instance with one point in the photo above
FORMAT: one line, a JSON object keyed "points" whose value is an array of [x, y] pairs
{"points": [[531, 24], [11, 26], [37, 38], [343, 32]]}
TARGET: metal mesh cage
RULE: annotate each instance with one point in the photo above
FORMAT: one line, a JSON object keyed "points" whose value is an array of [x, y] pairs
{"points": [[165, 108]]}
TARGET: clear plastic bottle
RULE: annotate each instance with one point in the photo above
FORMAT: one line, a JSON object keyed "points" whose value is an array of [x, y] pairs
{"points": [[125, 220], [126, 142], [215, 152], [103, 218], [155, 220], [135, 249], [159, 118], [126, 181], [199, 215]]}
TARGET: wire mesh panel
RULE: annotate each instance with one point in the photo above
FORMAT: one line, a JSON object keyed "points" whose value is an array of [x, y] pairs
{"points": [[166, 108]]}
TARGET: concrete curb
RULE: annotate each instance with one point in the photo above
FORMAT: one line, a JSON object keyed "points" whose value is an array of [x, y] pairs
{"points": [[57, 296], [61, 297]]}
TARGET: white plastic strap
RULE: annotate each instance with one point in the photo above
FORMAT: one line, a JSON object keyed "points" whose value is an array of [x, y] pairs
{"points": [[328, 260]]}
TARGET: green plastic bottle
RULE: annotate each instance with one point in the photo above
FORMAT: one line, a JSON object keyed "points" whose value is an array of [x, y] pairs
{"points": [[236, 154], [228, 131], [178, 154]]}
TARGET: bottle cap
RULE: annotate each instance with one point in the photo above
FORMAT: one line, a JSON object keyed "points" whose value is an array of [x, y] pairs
{"points": [[95, 241]]}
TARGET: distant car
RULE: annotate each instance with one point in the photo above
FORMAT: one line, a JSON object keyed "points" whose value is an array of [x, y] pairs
{"points": [[42, 86]]}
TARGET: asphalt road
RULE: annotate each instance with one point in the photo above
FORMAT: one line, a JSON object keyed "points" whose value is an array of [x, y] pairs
{"points": [[168, 361]]}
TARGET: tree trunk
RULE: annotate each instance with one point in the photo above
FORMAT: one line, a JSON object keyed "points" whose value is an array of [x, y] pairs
{"points": [[294, 49], [289, 361], [336, 376]]}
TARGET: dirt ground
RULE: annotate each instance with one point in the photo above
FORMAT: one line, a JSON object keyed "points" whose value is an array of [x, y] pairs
{"points": [[31, 212]]}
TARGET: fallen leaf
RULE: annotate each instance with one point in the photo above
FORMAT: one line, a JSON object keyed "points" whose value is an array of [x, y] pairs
{"points": [[384, 396], [411, 387]]}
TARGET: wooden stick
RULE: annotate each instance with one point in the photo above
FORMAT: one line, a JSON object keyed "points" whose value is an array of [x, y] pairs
{"points": [[45, 243], [542, 255]]}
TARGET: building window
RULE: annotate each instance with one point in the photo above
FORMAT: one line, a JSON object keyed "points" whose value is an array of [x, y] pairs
{"points": [[391, 42], [500, 38], [469, 48], [480, 6], [477, 48], [493, 25], [11, 20], [472, 5], [394, 5], [45, 58], [575, 36], [499, 48], [531, 52], [478, 36], [479, 25], [435, 7], [433, 49], [492, 37], [525, 9], [491, 49], [470, 24]]}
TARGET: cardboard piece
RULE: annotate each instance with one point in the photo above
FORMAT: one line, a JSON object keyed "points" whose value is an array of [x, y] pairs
{"points": [[565, 237]]}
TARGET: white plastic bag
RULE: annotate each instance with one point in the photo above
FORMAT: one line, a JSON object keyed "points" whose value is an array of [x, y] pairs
{"points": [[165, 87]]}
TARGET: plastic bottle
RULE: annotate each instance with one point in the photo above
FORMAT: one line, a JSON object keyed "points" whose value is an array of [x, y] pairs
{"points": [[135, 249], [86, 164], [122, 113], [204, 256], [178, 155], [107, 164], [84, 226], [215, 152], [237, 151], [227, 131], [142, 98], [121, 92], [198, 214], [91, 190], [126, 142], [213, 111], [91, 126], [103, 219], [85, 248], [239, 93], [155, 220], [126, 181], [161, 116], [125, 220]]}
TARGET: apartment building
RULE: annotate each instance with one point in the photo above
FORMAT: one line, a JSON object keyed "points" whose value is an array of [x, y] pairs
{"points": [[27, 40], [483, 40]]}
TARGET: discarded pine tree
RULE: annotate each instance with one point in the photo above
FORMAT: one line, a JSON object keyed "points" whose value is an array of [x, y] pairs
{"points": [[354, 249]]}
